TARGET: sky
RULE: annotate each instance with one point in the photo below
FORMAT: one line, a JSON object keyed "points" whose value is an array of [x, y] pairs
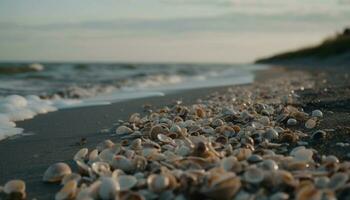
{"points": [[225, 31]]}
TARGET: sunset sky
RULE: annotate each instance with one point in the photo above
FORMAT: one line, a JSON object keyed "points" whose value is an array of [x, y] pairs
{"points": [[163, 30]]}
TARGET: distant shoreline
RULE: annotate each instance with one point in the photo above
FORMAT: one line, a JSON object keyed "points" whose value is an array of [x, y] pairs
{"points": [[334, 51]]}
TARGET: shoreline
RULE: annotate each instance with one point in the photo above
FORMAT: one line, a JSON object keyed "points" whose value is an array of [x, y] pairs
{"points": [[56, 135], [61, 131]]}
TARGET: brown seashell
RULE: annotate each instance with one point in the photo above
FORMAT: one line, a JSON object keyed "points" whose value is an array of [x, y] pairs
{"points": [[224, 189], [158, 129], [200, 112], [242, 153], [308, 192]]}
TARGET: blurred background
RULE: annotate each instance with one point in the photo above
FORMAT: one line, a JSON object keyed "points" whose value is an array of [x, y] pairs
{"points": [[220, 31]]}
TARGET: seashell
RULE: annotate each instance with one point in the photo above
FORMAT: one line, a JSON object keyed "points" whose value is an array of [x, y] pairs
{"points": [[68, 191], [158, 129], [308, 192], [217, 123], [121, 162], [200, 112], [292, 122], [126, 182], [69, 177], [289, 137], [132, 196], [84, 169], [139, 163], [101, 168], [175, 129], [135, 118], [136, 145], [264, 120], [56, 172], [225, 188], [330, 160], [229, 163], [107, 144], [311, 123], [321, 182], [107, 155], [317, 113], [81, 154], [253, 175], [279, 196], [297, 165], [279, 178], [93, 156], [338, 180], [271, 134], [108, 189], [319, 135], [242, 153], [183, 151], [122, 130], [157, 183], [302, 154], [221, 139], [89, 193], [16, 189], [269, 165], [254, 158], [165, 139]]}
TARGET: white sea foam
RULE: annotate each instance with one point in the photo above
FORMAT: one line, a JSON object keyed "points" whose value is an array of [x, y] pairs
{"points": [[18, 108], [15, 108]]}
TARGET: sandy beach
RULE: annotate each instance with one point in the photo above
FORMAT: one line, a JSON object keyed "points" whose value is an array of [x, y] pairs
{"points": [[59, 135]]}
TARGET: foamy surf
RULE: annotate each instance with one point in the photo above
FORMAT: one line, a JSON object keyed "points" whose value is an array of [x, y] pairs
{"points": [[78, 86]]}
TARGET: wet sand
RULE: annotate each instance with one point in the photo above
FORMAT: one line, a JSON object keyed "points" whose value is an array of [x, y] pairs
{"points": [[57, 134], [56, 137]]}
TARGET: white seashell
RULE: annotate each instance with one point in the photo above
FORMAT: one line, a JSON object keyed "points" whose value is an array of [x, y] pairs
{"points": [[93, 156], [253, 175], [101, 168], [317, 113], [121, 162], [81, 154], [311, 123], [88, 193], [68, 191], [56, 172], [108, 189], [121, 130], [126, 182], [107, 155], [292, 122], [157, 183], [338, 180], [135, 118], [271, 134], [303, 155], [183, 151], [69, 177], [107, 144], [164, 138], [15, 187], [227, 163]]}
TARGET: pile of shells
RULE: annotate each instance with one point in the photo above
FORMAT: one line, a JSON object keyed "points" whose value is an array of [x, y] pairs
{"points": [[247, 143]]}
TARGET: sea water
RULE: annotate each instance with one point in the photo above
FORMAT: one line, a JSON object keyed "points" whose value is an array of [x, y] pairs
{"points": [[29, 89]]}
